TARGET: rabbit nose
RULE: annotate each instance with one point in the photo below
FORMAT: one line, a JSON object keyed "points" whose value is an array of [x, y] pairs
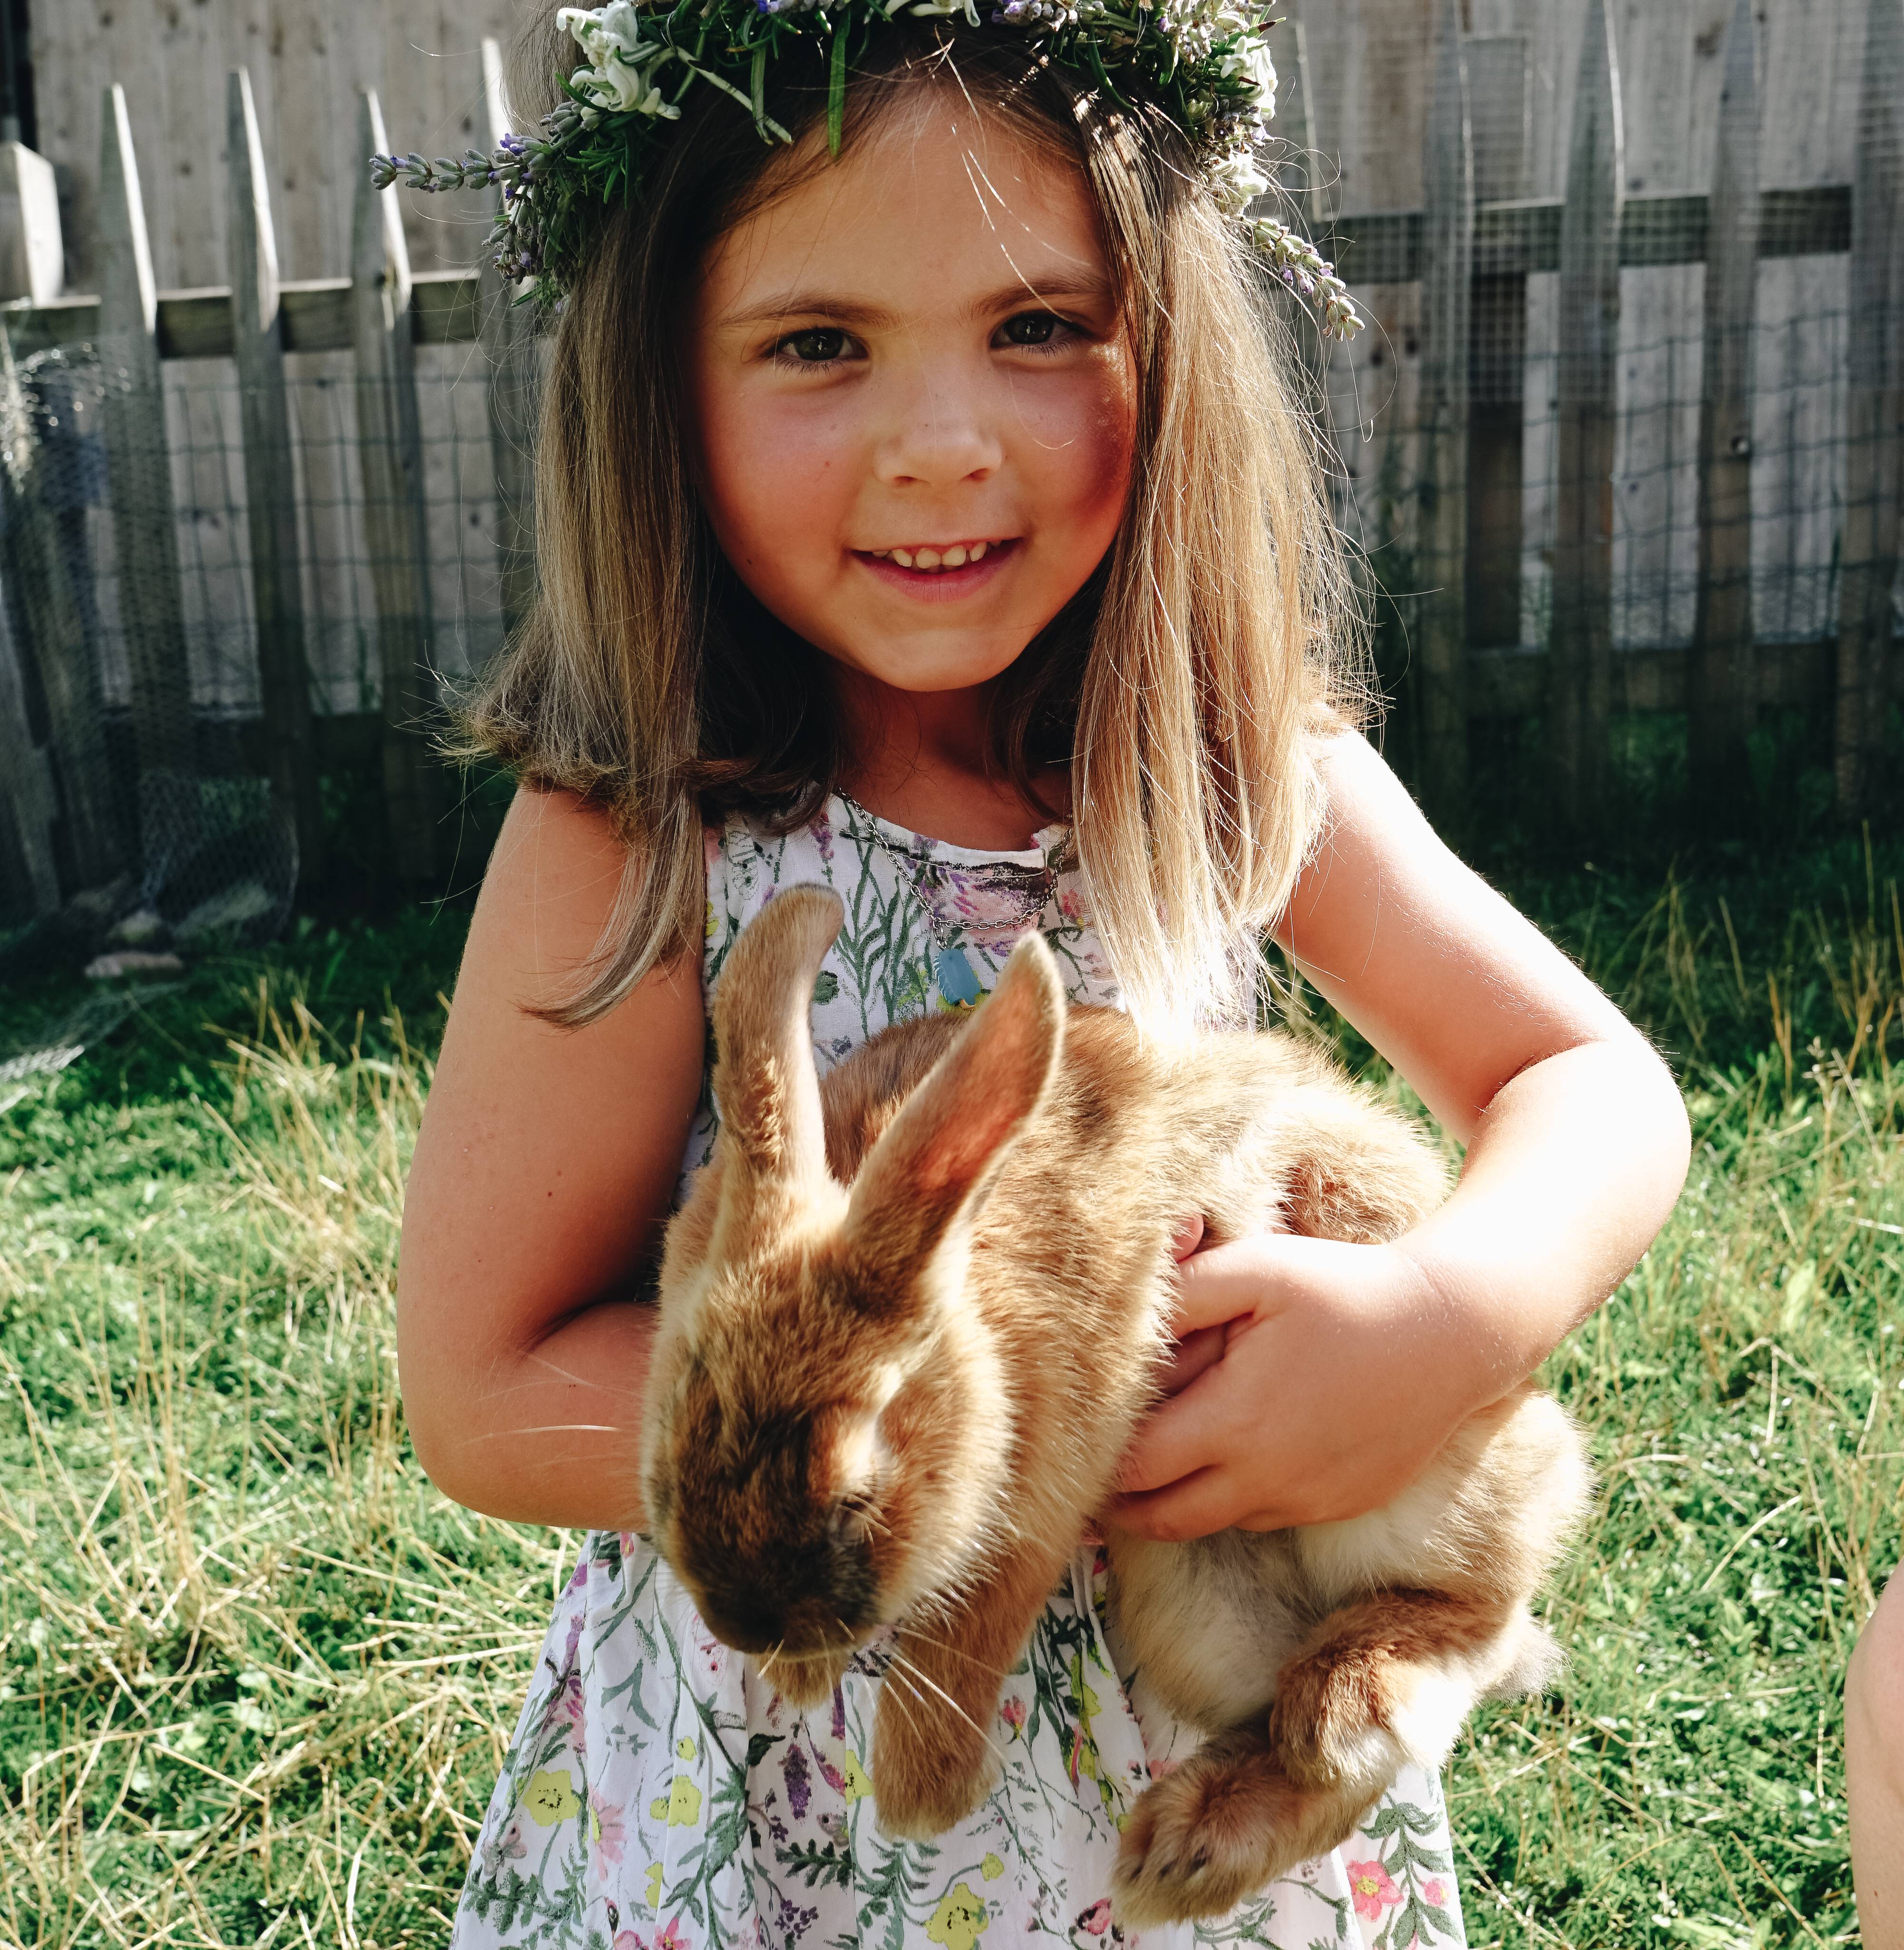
{"points": [[806, 1602], [746, 1626]]}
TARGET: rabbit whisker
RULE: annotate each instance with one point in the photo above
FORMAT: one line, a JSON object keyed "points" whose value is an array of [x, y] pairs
{"points": [[946, 1645], [569, 1374], [547, 1428], [912, 1672], [905, 1690], [848, 1643]]}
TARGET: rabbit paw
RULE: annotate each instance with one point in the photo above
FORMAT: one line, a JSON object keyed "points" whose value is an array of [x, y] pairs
{"points": [[1219, 1828], [805, 1683], [930, 1768]]}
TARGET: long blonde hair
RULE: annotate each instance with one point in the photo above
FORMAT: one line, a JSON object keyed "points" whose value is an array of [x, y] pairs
{"points": [[1185, 684]]}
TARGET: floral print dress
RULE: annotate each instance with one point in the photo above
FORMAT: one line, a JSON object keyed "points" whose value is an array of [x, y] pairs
{"points": [[659, 1796]]}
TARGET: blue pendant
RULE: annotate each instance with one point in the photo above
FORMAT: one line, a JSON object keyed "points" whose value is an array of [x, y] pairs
{"points": [[958, 985]]}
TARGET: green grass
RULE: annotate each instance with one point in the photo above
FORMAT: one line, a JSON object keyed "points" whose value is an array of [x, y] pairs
{"points": [[255, 1675]]}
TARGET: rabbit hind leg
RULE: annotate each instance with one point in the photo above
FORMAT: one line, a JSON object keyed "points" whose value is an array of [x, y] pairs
{"points": [[1389, 1680], [1376, 1683], [1221, 1827]]}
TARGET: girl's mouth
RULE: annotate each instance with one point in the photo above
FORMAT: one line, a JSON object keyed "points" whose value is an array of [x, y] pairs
{"points": [[939, 571]]}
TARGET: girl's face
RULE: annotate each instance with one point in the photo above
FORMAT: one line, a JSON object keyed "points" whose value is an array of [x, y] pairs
{"points": [[913, 400]]}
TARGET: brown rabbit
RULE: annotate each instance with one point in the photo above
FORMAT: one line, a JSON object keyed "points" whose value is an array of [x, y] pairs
{"points": [[910, 1318]]}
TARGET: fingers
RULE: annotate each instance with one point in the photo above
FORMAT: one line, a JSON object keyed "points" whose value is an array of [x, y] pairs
{"points": [[1196, 1353], [1189, 1237], [1198, 1505], [1180, 1435], [1220, 1285]]}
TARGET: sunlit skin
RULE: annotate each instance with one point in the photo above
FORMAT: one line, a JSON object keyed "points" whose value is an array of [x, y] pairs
{"points": [[1873, 1766], [917, 348]]}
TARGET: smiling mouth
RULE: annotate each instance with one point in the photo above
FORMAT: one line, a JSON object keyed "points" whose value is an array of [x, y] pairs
{"points": [[934, 559]]}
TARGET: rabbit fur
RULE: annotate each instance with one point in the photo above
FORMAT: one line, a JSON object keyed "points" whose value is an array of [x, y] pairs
{"points": [[909, 1321]]}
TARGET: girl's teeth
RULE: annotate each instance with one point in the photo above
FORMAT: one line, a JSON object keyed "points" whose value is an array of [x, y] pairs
{"points": [[931, 560]]}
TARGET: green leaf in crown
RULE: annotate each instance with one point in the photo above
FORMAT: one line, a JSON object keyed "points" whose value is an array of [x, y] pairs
{"points": [[1207, 62]]}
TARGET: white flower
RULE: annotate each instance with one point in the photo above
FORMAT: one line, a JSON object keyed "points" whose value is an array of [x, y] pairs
{"points": [[1251, 56], [603, 32], [622, 23], [1262, 72], [621, 90], [621, 78], [1238, 181]]}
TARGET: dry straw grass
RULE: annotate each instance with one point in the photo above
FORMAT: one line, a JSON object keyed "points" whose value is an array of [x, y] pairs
{"points": [[261, 1675], [255, 1675]]}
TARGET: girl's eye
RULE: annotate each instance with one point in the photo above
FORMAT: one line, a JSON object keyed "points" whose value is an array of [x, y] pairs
{"points": [[1033, 328], [820, 347]]}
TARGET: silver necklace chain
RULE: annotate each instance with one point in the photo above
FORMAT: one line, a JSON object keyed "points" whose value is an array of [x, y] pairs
{"points": [[1034, 899]]}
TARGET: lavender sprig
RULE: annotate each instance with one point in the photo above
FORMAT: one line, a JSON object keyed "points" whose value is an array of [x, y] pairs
{"points": [[1298, 264], [510, 167]]}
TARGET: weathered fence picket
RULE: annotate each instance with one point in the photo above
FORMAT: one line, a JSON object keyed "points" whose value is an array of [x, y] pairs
{"points": [[1301, 173], [1580, 648], [257, 347], [1447, 172], [509, 343], [1723, 693], [138, 459], [1874, 416], [46, 552], [30, 803], [1467, 516], [1500, 92], [396, 525]]}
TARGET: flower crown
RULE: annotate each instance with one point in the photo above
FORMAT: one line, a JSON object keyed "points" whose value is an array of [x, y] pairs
{"points": [[1207, 62]]}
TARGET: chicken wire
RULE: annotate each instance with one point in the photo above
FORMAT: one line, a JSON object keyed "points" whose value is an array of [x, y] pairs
{"points": [[1798, 478], [1362, 81], [196, 849]]}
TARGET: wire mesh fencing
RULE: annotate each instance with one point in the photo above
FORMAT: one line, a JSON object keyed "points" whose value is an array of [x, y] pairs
{"points": [[153, 758], [1797, 460], [1622, 452]]}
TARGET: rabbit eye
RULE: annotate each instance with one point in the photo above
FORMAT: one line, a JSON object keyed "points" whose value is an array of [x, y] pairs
{"points": [[856, 1515]]}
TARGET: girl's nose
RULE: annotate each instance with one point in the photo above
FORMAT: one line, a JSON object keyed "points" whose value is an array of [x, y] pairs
{"points": [[940, 435]]}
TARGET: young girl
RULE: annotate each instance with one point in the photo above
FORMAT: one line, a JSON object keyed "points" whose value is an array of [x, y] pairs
{"points": [[927, 518]]}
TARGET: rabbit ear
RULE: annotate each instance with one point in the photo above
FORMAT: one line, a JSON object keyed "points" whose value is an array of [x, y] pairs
{"points": [[764, 1081], [941, 1146]]}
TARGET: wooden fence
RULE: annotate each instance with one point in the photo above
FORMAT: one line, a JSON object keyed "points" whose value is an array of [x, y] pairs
{"points": [[56, 786], [1474, 253], [1472, 250]]}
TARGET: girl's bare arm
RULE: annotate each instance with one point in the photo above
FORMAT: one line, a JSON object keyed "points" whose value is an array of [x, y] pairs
{"points": [[1344, 1368], [543, 1176], [1576, 1138]]}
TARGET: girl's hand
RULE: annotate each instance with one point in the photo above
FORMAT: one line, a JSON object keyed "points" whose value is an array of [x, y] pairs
{"points": [[1195, 1348], [1312, 1381]]}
